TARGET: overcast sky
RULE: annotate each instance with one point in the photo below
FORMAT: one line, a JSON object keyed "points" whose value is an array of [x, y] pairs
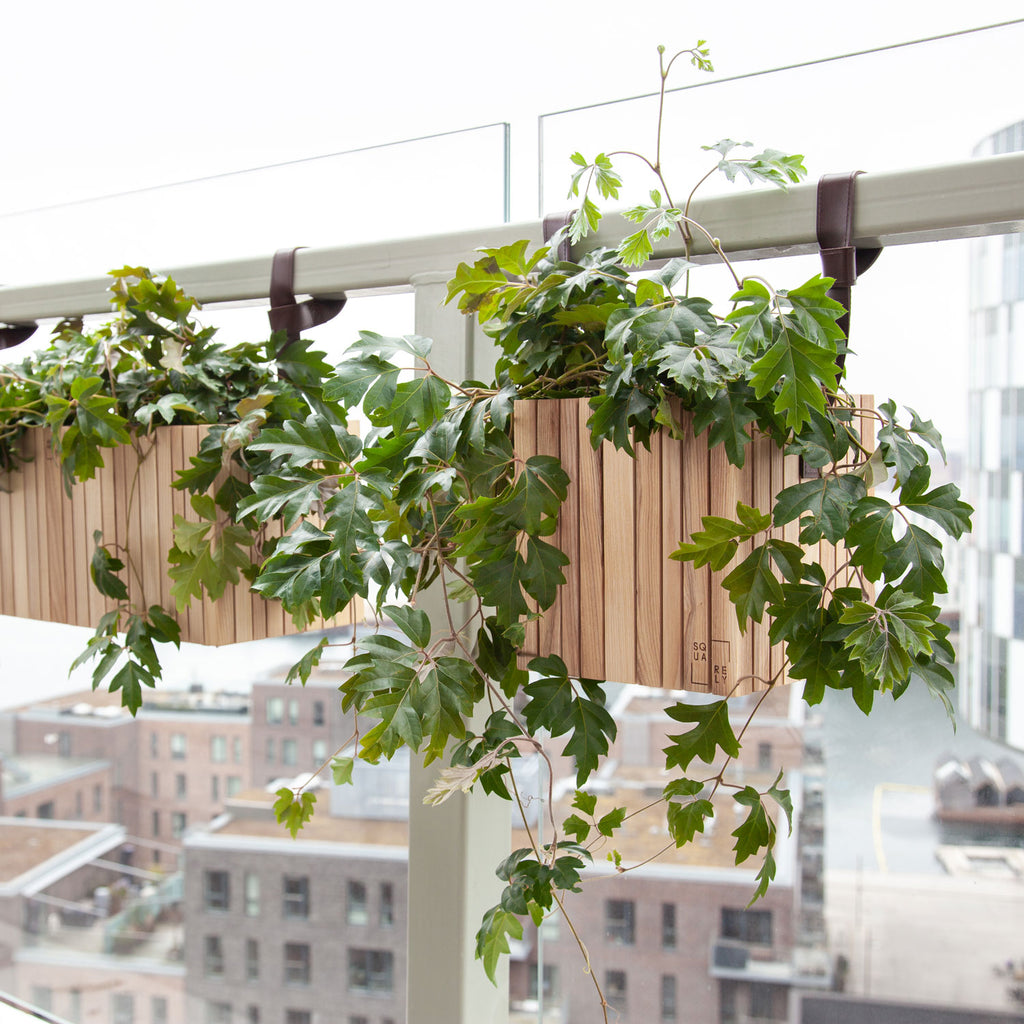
{"points": [[98, 99]]}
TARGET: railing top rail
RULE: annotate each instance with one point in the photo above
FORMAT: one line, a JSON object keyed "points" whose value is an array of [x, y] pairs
{"points": [[960, 200]]}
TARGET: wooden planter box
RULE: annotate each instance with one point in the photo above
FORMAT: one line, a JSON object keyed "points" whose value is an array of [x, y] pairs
{"points": [[627, 612], [46, 542]]}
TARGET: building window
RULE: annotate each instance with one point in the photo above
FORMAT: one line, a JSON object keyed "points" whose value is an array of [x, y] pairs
{"points": [[668, 997], [252, 894], [179, 746], [319, 751], [154, 785], [762, 1001], [355, 904], [359, 1020], [668, 926], [213, 956], [298, 1017], [218, 749], [236, 749], [727, 1002], [252, 959], [122, 1008], [234, 785], [289, 752], [296, 896], [158, 1010], [216, 890], [747, 925], [218, 1013], [371, 970], [270, 750], [293, 712], [97, 798], [387, 905], [215, 788], [618, 922], [615, 990], [156, 823], [178, 824], [275, 710], [154, 745], [764, 757], [79, 805], [318, 712], [296, 963], [252, 1015], [180, 785], [45, 810]]}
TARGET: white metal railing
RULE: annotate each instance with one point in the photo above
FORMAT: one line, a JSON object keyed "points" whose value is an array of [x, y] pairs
{"points": [[453, 849], [960, 200]]}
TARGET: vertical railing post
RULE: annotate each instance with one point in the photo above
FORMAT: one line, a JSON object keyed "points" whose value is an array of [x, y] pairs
{"points": [[453, 848]]}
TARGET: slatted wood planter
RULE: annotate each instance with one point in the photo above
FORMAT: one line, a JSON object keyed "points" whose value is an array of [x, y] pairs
{"points": [[627, 612], [46, 542]]}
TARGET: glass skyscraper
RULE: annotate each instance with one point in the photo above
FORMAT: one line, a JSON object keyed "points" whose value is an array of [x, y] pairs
{"points": [[992, 623]]}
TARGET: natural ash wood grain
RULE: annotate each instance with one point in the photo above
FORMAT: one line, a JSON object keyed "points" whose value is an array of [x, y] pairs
{"points": [[627, 611], [47, 540]]}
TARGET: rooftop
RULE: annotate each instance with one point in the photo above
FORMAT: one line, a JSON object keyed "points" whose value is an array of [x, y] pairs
{"points": [[26, 772], [101, 705], [34, 854], [24, 844]]}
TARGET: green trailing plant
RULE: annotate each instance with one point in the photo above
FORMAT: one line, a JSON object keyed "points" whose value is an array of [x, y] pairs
{"points": [[152, 364], [433, 496]]}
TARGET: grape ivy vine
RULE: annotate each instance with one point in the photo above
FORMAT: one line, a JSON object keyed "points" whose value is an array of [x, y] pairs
{"points": [[434, 496]]}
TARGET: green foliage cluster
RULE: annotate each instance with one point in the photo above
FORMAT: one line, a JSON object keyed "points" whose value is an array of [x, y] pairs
{"points": [[96, 388], [433, 496]]}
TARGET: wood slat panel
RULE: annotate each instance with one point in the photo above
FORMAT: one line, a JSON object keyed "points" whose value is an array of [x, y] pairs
{"points": [[56, 590], [762, 453], [619, 528], [778, 482], [80, 555], [726, 488], [591, 575], [33, 540], [9, 483], [649, 562], [549, 634], [163, 452], [673, 662], [568, 536], [696, 582]]}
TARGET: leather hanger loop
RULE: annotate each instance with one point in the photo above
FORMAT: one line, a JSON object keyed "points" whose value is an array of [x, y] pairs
{"points": [[285, 313], [15, 334], [840, 259], [553, 223]]}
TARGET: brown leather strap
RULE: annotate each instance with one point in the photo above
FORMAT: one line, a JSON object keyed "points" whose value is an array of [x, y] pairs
{"points": [[285, 313], [840, 259], [15, 334], [552, 223]]}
